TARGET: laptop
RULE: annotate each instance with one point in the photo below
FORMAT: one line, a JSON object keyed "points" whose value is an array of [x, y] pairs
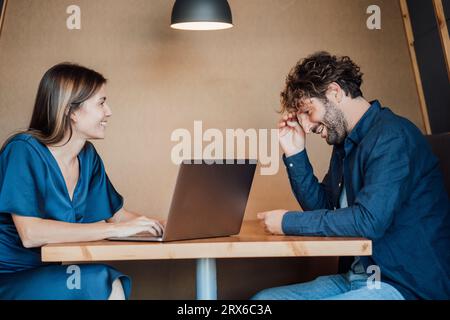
{"points": [[209, 200]]}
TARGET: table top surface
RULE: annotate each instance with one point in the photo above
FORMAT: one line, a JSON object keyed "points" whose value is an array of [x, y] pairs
{"points": [[252, 241]]}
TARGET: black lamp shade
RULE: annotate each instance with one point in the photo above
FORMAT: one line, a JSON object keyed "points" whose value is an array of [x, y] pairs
{"points": [[201, 15]]}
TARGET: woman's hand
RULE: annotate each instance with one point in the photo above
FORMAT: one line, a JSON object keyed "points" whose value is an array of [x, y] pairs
{"points": [[138, 225]]}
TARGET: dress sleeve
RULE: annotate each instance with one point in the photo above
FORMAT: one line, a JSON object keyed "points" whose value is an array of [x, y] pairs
{"points": [[22, 180], [103, 200]]}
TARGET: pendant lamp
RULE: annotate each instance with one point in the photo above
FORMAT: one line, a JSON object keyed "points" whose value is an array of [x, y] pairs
{"points": [[201, 15]]}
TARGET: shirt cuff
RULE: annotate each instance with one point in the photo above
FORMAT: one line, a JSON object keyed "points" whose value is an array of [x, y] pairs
{"points": [[297, 164], [291, 224]]}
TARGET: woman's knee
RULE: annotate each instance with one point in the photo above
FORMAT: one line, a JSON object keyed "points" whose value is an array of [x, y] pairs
{"points": [[101, 282], [117, 292]]}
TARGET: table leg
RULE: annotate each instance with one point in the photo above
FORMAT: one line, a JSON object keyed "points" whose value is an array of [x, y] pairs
{"points": [[206, 279]]}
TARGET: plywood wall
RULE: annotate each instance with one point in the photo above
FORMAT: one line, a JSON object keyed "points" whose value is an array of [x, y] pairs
{"points": [[161, 79]]}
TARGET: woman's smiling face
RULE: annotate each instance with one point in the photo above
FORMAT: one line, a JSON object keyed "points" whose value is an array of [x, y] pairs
{"points": [[91, 119]]}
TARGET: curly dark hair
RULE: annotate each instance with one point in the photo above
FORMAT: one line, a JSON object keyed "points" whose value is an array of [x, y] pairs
{"points": [[311, 76]]}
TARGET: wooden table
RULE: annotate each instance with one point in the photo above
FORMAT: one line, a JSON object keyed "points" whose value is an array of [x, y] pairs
{"points": [[251, 242]]}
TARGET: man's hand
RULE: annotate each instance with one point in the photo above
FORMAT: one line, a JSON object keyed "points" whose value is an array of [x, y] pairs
{"points": [[272, 220], [292, 135]]}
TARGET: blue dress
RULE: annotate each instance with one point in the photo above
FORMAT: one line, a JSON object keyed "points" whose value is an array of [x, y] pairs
{"points": [[32, 185]]}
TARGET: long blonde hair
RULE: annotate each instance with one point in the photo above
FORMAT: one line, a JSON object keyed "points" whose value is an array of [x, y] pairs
{"points": [[62, 90]]}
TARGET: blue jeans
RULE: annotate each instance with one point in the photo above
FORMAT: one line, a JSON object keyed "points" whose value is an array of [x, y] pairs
{"points": [[350, 286]]}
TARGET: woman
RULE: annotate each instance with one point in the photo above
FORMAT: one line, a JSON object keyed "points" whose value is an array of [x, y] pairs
{"points": [[54, 189]]}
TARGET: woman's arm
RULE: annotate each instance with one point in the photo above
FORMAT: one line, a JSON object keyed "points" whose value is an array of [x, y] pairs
{"points": [[123, 215], [36, 232]]}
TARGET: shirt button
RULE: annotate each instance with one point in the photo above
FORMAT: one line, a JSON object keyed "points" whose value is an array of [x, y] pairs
{"points": [[291, 165]]}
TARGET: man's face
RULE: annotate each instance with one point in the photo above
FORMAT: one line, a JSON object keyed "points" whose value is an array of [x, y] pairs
{"points": [[322, 118]]}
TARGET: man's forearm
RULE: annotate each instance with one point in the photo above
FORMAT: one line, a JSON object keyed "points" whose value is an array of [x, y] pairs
{"points": [[310, 194], [354, 221]]}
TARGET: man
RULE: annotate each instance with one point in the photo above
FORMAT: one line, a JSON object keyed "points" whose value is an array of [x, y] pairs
{"points": [[383, 183]]}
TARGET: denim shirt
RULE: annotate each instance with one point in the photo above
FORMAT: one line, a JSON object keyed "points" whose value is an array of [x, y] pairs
{"points": [[396, 197]]}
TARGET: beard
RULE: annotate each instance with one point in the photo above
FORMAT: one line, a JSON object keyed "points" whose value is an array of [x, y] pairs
{"points": [[336, 124]]}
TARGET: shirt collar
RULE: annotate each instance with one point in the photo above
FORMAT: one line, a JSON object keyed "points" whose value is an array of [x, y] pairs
{"points": [[365, 123]]}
